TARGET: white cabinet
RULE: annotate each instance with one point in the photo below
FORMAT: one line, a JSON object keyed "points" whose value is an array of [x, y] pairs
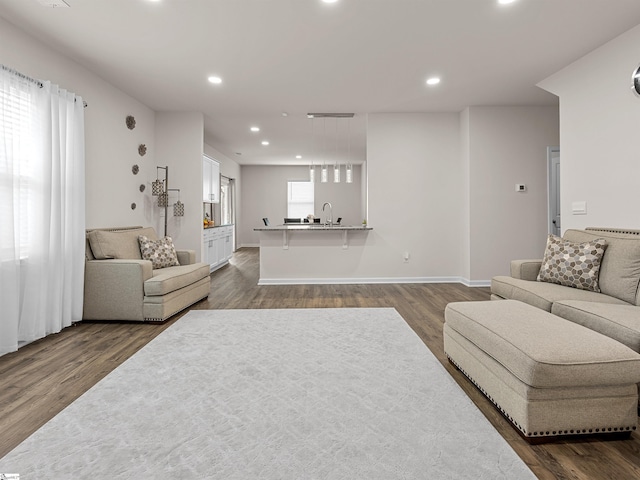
{"points": [[226, 243], [217, 246], [210, 180], [209, 251]]}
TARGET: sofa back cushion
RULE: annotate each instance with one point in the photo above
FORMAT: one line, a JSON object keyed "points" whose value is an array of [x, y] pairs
{"points": [[620, 268], [118, 244]]}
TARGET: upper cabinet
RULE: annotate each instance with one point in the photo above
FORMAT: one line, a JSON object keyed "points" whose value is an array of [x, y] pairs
{"points": [[210, 180]]}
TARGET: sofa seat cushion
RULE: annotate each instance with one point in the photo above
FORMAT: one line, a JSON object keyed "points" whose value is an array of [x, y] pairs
{"points": [[170, 279], [620, 322], [541, 349], [542, 295], [123, 244]]}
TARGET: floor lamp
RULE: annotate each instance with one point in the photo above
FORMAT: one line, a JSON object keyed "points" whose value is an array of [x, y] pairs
{"points": [[160, 188]]}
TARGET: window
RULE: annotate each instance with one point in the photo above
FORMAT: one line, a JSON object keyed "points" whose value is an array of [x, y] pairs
{"points": [[300, 199], [16, 166], [226, 201]]}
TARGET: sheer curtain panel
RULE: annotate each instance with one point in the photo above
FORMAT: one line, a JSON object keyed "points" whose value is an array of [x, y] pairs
{"points": [[42, 202]]}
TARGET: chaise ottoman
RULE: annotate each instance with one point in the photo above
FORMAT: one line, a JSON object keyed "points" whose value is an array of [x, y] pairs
{"points": [[549, 376]]}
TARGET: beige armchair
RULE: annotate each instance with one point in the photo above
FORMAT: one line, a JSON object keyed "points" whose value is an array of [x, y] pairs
{"points": [[120, 285]]}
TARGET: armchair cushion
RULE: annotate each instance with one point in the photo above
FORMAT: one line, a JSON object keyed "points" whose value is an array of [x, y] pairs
{"points": [[121, 244], [161, 253], [167, 280]]}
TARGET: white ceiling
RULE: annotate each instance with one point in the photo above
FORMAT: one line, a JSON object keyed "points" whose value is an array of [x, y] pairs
{"points": [[300, 56]]}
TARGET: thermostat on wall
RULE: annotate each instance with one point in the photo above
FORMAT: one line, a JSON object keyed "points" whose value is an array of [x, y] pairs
{"points": [[521, 187]]}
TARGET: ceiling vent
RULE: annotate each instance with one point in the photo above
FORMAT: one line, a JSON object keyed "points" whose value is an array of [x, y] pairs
{"points": [[330, 115], [53, 3]]}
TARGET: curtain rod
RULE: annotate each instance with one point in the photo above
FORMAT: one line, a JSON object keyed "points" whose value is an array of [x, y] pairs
{"points": [[29, 79]]}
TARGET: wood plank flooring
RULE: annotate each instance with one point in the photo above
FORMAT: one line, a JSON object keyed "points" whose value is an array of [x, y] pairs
{"points": [[43, 378]]}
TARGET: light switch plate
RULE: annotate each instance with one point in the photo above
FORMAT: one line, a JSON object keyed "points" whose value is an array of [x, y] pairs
{"points": [[579, 208]]}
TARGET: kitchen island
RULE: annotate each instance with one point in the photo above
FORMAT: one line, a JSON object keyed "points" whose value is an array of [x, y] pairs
{"points": [[303, 253]]}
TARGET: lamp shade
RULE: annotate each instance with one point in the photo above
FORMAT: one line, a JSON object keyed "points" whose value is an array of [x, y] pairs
{"points": [[324, 174], [178, 209], [163, 199], [157, 187]]}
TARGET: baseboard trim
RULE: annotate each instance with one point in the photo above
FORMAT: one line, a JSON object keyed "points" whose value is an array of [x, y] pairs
{"points": [[371, 280], [476, 283], [249, 245]]}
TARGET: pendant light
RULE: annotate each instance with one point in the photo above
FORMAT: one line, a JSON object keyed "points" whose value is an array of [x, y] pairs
{"points": [[312, 168], [349, 174], [324, 173], [336, 167], [324, 168]]}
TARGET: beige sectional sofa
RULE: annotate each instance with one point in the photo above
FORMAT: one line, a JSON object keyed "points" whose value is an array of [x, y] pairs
{"points": [[558, 360], [120, 285], [614, 311]]}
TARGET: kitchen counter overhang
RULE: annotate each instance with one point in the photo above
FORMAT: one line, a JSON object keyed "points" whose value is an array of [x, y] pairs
{"points": [[287, 229]]}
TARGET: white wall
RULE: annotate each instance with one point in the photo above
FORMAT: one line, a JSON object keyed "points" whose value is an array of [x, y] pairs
{"points": [[465, 215], [415, 196], [111, 149], [180, 143], [264, 194], [599, 140], [436, 181], [507, 145]]}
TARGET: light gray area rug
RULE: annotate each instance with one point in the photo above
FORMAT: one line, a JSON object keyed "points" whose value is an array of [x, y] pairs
{"points": [[273, 394]]}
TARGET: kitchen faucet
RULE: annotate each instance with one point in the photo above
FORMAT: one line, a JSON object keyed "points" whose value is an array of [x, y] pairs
{"points": [[329, 220]]}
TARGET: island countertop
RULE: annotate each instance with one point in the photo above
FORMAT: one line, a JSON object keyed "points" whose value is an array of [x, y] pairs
{"points": [[310, 227], [294, 253]]}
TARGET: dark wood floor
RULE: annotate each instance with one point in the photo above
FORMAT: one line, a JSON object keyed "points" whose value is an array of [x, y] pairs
{"points": [[43, 378]]}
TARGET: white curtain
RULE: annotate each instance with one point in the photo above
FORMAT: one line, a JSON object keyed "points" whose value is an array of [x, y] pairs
{"points": [[42, 202]]}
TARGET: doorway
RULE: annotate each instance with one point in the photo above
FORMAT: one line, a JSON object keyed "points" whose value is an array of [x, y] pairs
{"points": [[553, 178]]}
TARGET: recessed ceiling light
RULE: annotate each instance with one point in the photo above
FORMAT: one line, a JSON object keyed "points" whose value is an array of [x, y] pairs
{"points": [[265, 143], [505, 2], [329, 1], [215, 80], [255, 129], [433, 81], [285, 114], [298, 157]]}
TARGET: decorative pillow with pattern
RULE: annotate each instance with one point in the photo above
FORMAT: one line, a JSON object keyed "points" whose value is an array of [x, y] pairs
{"points": [[572, 264], [161, 252]]}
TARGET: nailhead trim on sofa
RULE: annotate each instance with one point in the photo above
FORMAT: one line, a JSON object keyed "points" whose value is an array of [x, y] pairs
{"points": [[628, 428]]}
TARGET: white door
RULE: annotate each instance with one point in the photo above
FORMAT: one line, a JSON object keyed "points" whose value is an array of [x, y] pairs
{"points": [[553, 156]]}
